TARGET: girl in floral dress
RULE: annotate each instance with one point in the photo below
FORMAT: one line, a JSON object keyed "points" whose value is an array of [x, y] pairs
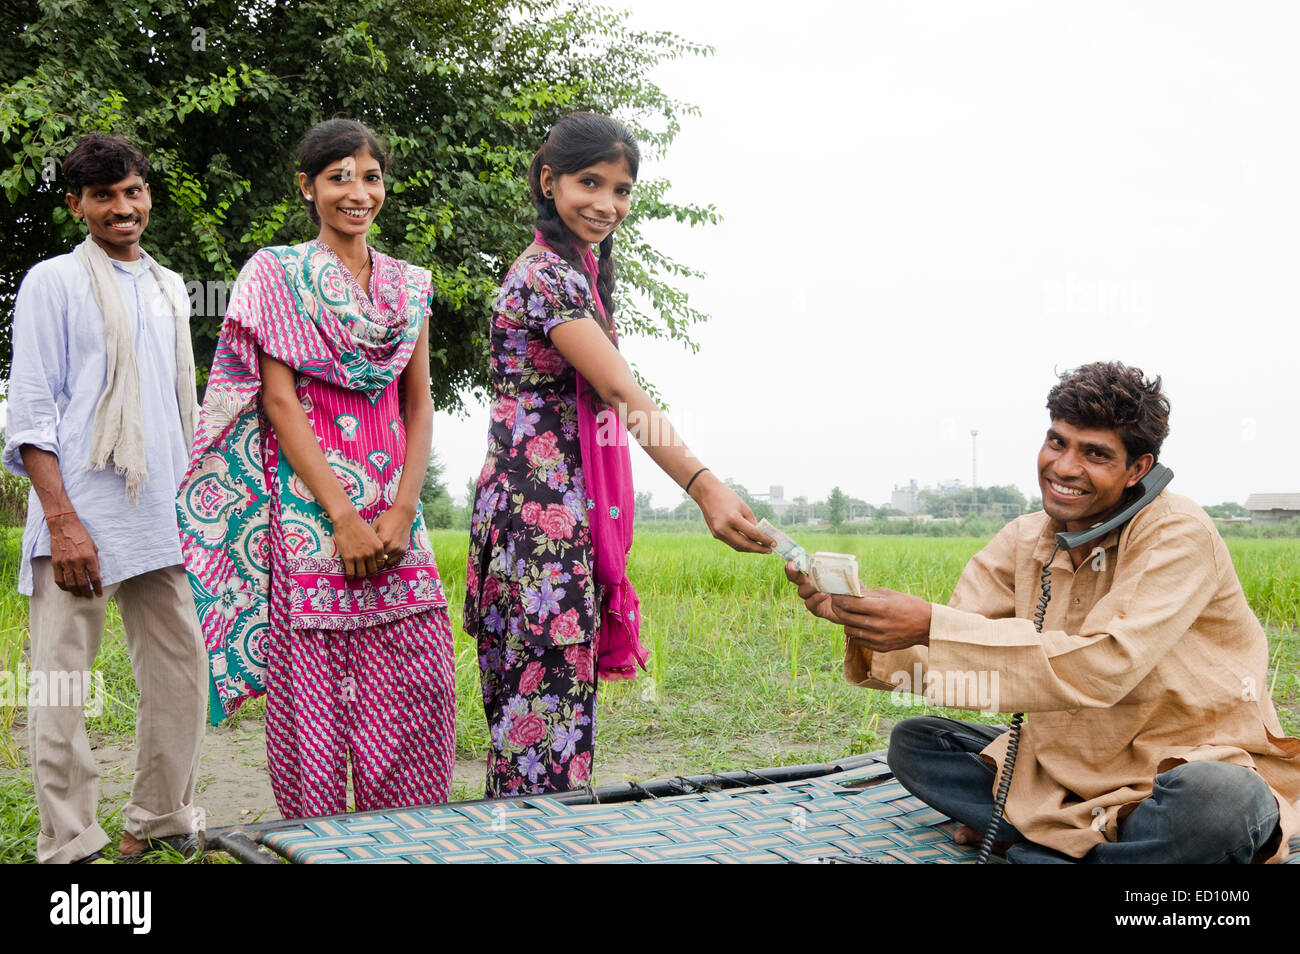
{"points": [[548, 599]]}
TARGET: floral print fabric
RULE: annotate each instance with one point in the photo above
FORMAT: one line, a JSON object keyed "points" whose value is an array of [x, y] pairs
{"points": [[541, 710], [531, 600]]}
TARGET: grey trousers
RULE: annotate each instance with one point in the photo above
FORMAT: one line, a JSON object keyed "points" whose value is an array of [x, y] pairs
{"points": [[170, 666], [1197, 813]]}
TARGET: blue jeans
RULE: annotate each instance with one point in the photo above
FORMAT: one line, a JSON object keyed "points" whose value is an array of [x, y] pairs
{"points": [[1198, 812]]}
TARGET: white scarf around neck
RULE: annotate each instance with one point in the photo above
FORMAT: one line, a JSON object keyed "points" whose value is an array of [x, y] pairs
{"points": [[118, 430]]}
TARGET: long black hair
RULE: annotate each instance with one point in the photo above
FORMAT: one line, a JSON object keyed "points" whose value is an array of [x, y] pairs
{"points": [[575, 142], [329, 141]]}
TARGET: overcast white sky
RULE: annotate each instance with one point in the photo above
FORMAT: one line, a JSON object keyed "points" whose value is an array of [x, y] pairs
{"points": [[931, 206]]}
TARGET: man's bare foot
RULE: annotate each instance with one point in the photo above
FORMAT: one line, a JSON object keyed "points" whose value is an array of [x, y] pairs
{"points": [[133, 849], [966, 835], [130, 846]]}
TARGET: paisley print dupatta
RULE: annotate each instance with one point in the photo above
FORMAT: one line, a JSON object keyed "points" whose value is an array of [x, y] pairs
{"points": [[301, 306]]}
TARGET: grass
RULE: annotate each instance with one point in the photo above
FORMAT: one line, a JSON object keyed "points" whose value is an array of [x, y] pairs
{"points": [[740, 675]]}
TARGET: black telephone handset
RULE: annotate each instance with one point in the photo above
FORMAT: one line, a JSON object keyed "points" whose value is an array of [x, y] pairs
{"points": [[1144, 492], [1156, 480]]}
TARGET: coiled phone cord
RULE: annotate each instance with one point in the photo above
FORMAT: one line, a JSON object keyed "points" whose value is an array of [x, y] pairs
{"points": [[1013, 743]]}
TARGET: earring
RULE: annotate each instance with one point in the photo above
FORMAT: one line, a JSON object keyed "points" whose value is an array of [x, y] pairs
{"points": [[308, 198], [548, 193]]}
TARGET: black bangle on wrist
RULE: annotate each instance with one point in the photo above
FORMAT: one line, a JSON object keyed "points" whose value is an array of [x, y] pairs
{"points": [[692, 480]]}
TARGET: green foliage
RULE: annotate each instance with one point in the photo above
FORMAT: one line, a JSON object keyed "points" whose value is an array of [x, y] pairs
{"points": [[434, 496], [462, 93], [13, 499], [969, 526], [462, 517], [1007, 502], [645, 509], [835, 508], [760, 508], [1227, 510], [1257, 531], [688, 509]]}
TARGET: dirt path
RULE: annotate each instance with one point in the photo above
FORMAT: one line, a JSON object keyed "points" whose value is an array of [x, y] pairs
{"points": [[234, 787]]}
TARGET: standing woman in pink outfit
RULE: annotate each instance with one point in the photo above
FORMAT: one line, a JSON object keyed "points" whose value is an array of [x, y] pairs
{"points": [[548, 598], [300, 517]]}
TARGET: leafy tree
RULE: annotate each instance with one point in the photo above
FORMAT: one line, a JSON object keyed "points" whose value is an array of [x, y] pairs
{"points": [[760, 508], [936, 504], [835, 508], [462, 517], [1005, 501], [857, 507], [218, 92], [688, 509], [434, 496], [798, 512], [1227, 510]]}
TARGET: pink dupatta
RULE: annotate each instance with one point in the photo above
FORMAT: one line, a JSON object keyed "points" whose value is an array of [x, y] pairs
{"points": [[607, 472]]}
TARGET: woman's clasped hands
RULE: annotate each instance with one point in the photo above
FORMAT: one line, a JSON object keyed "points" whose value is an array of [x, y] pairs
{"points": [[367, 548]]}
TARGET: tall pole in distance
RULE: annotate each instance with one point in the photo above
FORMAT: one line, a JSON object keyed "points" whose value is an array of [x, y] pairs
{"points": [[974, 482]]}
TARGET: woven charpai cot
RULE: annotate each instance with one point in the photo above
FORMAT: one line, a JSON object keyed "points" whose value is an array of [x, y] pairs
{"points": [[852, 810], [860, 812]]}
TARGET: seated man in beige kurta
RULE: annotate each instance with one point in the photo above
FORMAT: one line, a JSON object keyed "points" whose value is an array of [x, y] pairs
{"points": [[1150, 735]]}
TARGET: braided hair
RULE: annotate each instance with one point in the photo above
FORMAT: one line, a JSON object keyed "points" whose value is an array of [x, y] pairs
{"points": [[575, 142]]}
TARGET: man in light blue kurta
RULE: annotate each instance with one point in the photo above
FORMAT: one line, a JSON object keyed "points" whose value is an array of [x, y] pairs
{"points": [[99, 417]]}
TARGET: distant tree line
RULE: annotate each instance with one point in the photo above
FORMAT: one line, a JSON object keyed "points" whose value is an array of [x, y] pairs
{"points": [[995, 505], [978, 512]]}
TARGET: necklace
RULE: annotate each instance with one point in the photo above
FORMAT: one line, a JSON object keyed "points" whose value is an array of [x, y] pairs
{"points": [[360, 271], [355, 276], [359, 275]]}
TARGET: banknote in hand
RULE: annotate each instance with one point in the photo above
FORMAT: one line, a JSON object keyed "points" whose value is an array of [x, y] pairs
{"points": [[789, 550]]}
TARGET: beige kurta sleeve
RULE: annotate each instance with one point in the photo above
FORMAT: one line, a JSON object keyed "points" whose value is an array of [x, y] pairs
{"points": [[986, 587], [1166, 577]]}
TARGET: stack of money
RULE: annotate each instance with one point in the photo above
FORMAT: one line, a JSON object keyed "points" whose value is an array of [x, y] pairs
{"points": [[835, 573], [829, 572], [790, 551]]}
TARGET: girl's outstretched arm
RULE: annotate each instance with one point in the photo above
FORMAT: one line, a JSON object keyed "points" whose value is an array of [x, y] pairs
{"points": [[584, 344]]}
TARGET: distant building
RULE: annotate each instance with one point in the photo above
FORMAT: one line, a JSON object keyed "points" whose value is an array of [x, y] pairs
{"points": [[1273, 508], [775, 498], [906, 499]]}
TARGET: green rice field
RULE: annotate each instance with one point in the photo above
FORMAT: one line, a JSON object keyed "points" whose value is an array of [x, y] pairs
{"points": [[740, 675]]}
